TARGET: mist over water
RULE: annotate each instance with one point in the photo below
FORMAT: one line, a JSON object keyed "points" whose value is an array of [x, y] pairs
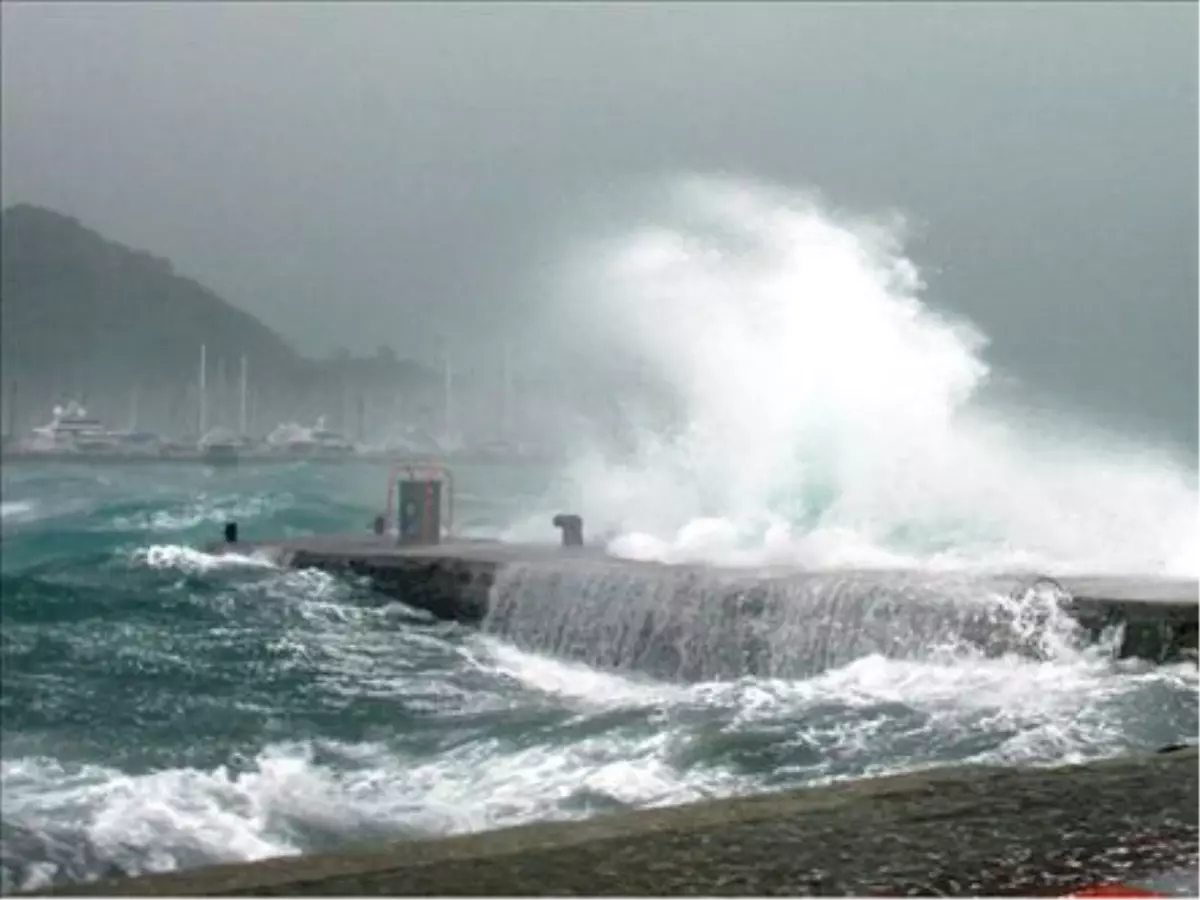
{"points": [[791, 396]]}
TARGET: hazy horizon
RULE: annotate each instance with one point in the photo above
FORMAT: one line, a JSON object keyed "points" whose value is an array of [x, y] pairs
{"points": [[359, 175]]}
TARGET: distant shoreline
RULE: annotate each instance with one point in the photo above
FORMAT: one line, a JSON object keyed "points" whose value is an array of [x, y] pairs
{"points": [[126, 459]]}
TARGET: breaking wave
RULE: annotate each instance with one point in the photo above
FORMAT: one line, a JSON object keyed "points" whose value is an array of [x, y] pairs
{"points": [[784, 394], [166, 708]]}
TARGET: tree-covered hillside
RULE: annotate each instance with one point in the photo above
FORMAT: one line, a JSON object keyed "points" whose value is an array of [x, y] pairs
{"points": [[84, 317], [79, 309]]}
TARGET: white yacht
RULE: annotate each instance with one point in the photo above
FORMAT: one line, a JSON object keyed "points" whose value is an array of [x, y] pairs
{"points": [[72, 430], [408, 440], [220, 445], [137, 443], [292, 439]]}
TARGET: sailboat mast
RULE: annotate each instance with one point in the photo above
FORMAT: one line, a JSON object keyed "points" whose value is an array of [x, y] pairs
{"points": [[242, 423], [203, 389], [506, 408], [448, 392], [12, 409]]}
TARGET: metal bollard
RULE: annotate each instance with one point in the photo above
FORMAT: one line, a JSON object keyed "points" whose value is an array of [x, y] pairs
{"points": [[571, 526]]}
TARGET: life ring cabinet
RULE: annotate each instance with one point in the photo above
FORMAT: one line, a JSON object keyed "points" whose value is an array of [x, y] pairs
{"points": [[420, 504]]}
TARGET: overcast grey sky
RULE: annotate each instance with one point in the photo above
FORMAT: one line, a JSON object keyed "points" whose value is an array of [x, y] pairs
{"points": [[367, 173]]}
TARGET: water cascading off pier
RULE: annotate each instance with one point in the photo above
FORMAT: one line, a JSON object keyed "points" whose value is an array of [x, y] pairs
{"points": [[698, 624]]}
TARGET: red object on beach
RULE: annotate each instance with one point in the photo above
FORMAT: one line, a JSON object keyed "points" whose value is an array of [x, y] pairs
{"points": [[1114, 890]]}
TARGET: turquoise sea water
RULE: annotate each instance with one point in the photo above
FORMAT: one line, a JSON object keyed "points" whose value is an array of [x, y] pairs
{"points": [[163, 708]]}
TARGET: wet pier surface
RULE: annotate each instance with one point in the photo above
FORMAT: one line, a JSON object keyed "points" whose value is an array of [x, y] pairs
{"points": [[460, 581], [956, 831]]}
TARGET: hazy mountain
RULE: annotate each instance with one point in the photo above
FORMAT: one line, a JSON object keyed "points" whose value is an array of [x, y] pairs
{"points": [[83, 316], [80, 309]]}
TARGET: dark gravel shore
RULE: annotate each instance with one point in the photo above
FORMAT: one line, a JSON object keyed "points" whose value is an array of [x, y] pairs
{"points": [[956, 831]]}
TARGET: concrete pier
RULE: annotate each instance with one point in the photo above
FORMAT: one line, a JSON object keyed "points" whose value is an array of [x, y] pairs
{"points": [[958, 831], [456, 581]]}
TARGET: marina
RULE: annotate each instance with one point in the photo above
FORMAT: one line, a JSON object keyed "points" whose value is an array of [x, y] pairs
{"points": [[227, 452], [215, 425]]}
